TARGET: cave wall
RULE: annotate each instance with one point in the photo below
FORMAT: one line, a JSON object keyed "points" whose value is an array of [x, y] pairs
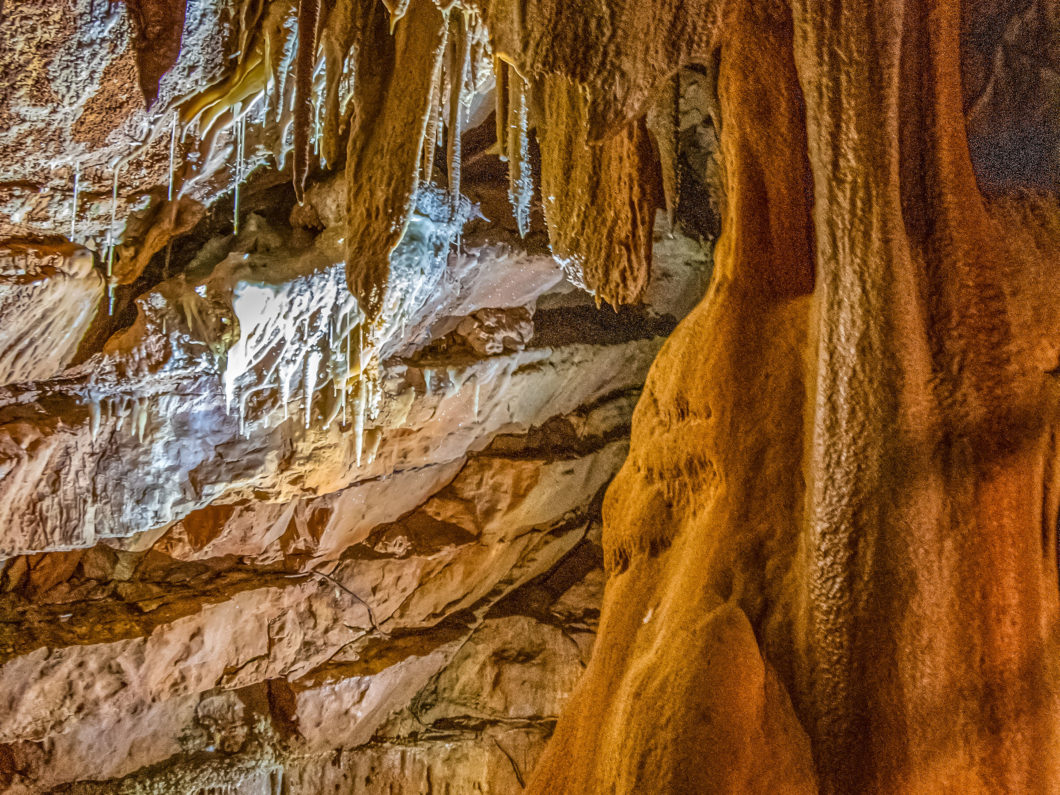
{"points": [[255, 541], [236, 596], [246, 553], [310, 395]]}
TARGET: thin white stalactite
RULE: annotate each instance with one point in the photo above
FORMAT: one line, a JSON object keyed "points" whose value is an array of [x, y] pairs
{"points": [[358, 420], [517, 138], [112, 238], [346, 377], [312, 366], [460, 54], [241, 128], [319, 77], [73, 209], [94, 416], [172, 155]]}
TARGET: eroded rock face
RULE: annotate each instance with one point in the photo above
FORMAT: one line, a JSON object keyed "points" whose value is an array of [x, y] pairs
{"points": [[260, 533], [323, 469], [256, 539], [269, 584]]}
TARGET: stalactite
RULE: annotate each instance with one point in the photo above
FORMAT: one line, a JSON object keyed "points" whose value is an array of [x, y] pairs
{"points": [[142, 412], [517, 149], [210, 106], [112, 240], [662, 121], [334, 63], [459, 54], [599, 199], [338, 35], [392, 104], [312, 366], [305, 65], [358, 420], [172, 157], [256, 68], [241, 135], [284, 123], [823, 547], [73, 205], [434, 123], [94, 417], [397, 9], [280, 48], [318, 99], [500, 98], [250, 12], [623, 70], [480, 54]]}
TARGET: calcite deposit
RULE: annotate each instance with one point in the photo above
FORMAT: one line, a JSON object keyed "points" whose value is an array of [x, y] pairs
{"points": [[253, 533], [261, 534], [377, 413]]}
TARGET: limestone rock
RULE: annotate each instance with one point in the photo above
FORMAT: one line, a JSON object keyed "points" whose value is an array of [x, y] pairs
{"points": [[259, 535], [491, 331]]}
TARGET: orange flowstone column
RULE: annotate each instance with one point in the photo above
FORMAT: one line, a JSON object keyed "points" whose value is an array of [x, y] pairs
{"points": [[833, 547], [702, 524], [931, 588]]}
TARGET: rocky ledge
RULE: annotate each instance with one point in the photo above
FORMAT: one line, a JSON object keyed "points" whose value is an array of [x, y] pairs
{"points": [[257, 544]]}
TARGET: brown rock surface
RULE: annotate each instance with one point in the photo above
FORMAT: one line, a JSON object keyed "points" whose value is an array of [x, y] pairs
{"points": [[302, 448], [248, 536], [857, 518]]}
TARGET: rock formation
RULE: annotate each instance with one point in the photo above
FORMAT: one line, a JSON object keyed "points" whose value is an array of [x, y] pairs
{"points": [[323, 326], [846, 577]]}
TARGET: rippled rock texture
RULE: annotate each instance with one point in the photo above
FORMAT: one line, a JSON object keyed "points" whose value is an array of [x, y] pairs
{"points": [[255, 542], [261, 534], [244, 546]]}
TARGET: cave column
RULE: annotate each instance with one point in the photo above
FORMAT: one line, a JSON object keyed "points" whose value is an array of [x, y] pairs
{"points": [[928, 643]]}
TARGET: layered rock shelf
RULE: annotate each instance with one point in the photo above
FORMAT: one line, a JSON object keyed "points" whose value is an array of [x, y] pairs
{"points": [[257, 544]]}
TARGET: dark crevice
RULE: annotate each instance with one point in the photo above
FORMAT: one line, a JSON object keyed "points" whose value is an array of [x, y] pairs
{"points": [[588, 325]]}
